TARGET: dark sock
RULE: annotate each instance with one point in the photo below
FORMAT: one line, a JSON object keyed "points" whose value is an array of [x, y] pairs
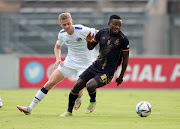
{"points": [[44, 90], [93, 96], [72, 98]]}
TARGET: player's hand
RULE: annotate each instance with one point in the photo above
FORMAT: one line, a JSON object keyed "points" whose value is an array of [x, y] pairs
{"points": [[119, 80], [89, 37], [57, 63]]}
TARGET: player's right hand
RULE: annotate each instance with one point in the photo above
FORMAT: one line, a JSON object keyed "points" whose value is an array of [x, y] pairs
{"points": [[89, 37], [119, 80], [57, 63]]}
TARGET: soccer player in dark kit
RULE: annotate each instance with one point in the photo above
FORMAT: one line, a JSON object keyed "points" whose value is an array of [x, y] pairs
{"points": [[114, 47]]}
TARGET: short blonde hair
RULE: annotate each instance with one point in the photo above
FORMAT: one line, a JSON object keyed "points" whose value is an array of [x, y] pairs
{"points": [[64, 16]]}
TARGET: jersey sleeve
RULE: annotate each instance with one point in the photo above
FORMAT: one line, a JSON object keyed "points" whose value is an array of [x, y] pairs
{"points": [[86, 30], [60, 39], [97, 36], [125, 44]]}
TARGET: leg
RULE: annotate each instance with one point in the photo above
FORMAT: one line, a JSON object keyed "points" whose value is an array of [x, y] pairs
{"points": [[80, 93], [78, 86], [91, 87], [96, 82], [78, 100], [77, 103], [1, 103], [55, 78], [79, 72]]}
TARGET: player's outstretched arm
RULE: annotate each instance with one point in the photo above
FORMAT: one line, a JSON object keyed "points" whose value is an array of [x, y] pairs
{"points": [[57, 52], [90, 43], [125, 56]]}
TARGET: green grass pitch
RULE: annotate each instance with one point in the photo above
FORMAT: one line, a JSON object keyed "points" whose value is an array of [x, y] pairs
{"points": [[115, 109]]}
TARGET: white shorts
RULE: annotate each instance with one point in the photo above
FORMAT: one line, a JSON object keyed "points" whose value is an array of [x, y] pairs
{"points": [[72, 74]]}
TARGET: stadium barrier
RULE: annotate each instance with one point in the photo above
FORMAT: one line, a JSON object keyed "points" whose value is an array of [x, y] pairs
{"points": [[9, 69], [141, 73]]}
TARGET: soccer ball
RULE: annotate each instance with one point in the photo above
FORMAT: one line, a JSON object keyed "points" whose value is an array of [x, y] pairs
{"points": [[143, 109]]}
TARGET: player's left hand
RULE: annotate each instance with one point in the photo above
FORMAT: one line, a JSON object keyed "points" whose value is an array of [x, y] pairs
{"points": [[57, 63], [89, 37], [119, 80]]}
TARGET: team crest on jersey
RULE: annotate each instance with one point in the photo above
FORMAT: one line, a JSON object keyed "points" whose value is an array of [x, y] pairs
{"points": [[116, 42], [103, 37], [79, 39], [108, 42]]}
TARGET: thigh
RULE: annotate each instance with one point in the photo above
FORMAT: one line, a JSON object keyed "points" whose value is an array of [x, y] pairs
{"points": [[78, 86], [56, 76], [54, 79], [87, 75], [91, 85]]}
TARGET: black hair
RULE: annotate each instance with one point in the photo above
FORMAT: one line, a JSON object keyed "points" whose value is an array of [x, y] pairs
{"points": [[114, 16]]}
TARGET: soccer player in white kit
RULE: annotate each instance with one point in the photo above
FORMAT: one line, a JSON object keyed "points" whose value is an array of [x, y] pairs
{"points": [[1, 104], [77, 60]]}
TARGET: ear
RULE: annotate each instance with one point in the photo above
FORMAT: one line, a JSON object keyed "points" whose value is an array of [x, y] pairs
{"points": [[72, 21]]}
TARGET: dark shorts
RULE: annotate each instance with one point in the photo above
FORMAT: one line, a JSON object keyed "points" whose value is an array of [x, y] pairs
{"points": [[101, 77]]}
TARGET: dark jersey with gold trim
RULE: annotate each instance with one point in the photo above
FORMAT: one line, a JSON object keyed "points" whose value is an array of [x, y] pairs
{"points": [[110, 49]]}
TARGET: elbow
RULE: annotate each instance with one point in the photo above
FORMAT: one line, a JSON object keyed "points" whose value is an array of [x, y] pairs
{"points": [[90, 48], [54, 49], [57, 48]]}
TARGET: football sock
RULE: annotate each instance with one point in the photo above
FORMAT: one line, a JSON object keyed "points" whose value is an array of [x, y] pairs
{"points": [[39, 96], [72, 98], [93, 96]]}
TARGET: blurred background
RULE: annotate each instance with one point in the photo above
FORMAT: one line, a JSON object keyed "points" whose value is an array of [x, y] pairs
{"points": [[32, 27], [29, 30]]}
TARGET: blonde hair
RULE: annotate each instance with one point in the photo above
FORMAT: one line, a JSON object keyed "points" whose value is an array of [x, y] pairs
{"points": [[64, 16]]}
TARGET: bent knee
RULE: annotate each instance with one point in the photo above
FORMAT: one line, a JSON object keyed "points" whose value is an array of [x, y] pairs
{"points": [[78, 86], [91, 85]]}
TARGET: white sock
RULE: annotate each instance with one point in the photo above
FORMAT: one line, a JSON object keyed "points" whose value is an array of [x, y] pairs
{"points": [[39, 96]]}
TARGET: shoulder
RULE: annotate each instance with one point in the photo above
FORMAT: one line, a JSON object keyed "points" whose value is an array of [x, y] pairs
{"points": [[104, 30], [62, 33], [78, 27], [81, 27], [83, 30], [124, 37]]}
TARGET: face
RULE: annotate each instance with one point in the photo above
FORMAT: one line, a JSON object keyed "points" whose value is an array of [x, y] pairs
{"points": [[66, 24], [115, 26]]}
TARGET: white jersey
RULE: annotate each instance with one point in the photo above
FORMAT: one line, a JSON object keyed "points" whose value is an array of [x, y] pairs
{"points": [[79, 56]]}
